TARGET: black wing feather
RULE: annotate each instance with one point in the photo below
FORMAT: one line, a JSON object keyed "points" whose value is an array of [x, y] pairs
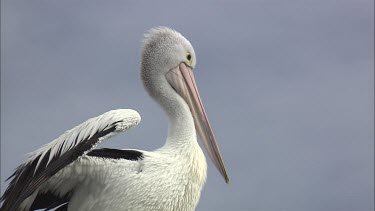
{"points": [[49, 201], [25, 182], [116, 154]]}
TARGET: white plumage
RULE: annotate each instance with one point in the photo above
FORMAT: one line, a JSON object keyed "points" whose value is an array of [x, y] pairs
{"points": [[70, 174]]}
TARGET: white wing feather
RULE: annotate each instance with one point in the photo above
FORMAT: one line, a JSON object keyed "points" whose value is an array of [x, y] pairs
{"points": [[123, 118]]}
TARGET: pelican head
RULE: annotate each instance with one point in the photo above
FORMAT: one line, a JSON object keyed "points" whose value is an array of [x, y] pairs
{"points": [[168, 60]]}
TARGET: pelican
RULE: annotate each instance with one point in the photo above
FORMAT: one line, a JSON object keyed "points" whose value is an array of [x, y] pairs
{"points": [[70, 173]]}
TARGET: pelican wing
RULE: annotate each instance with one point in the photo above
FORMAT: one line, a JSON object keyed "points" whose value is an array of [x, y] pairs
{"points": [[54, 156]]}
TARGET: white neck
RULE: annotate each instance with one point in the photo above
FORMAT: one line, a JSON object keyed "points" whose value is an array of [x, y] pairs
{"points": [[181, 130]]}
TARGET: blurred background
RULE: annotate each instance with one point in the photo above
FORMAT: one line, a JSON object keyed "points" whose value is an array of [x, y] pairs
{"points": [[287, 86]]}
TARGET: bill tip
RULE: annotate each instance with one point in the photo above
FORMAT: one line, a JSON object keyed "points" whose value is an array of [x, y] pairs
{"points": [[227, 180]]}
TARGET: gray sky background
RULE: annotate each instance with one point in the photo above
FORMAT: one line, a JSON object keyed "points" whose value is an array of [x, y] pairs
{"points": [[287, 85]]}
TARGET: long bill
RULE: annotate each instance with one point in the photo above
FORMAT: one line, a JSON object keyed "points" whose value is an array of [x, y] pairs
{"points": [[182, 80]]}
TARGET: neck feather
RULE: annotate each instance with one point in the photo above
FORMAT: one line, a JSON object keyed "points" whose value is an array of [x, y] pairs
{"points": [[181, 130]]}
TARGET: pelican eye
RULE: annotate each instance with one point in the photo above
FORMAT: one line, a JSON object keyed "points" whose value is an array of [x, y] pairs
{"points": [[188, 57]]}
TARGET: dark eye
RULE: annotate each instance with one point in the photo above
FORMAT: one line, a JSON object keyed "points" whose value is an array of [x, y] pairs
{"points": [[188, 56]]}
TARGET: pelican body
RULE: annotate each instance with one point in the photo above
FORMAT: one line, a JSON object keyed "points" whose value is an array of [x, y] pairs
{"points": [[69, 173]]}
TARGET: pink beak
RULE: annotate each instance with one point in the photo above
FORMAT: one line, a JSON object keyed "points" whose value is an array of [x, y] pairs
{"points": [[182, 80]]}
